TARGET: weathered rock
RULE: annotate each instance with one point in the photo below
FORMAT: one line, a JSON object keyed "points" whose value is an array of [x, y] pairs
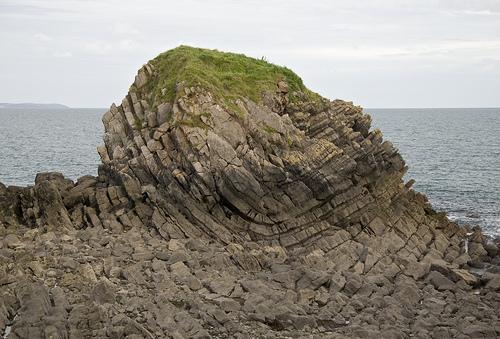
{"points": [[491, 248], [440, 282], [463, 275], [494, 283], [12, 241], [103, 293], [224, 213]]}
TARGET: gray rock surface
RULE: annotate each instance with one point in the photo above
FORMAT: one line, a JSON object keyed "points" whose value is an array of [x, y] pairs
{"points": [[288, 219]]}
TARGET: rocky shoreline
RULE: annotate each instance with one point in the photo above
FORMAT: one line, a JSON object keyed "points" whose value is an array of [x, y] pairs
{"points": [[220, 215]]}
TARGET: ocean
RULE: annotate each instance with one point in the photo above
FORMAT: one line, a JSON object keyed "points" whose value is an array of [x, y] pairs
{"points": [[41, 140], [453, 154]]}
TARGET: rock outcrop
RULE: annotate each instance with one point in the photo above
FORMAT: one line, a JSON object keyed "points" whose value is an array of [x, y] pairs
{"points": [[232, 202]]}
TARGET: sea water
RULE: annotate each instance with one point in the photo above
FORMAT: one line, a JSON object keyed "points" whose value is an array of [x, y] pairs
{"points": [[39, 140], [454, 156]]}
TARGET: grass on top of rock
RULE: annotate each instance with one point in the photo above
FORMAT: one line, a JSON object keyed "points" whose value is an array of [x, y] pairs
{"points": [[228, 76]]}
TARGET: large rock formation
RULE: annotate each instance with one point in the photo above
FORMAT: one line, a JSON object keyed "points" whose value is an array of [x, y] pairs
{"points": [[232, 202]]}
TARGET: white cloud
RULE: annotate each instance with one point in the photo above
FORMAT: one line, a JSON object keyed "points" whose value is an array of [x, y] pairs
{"points": [[484, 12], [417, 50], [64, 54], [42, 37], [97, 47], [125, 44], [102, 48], [121, 28]]}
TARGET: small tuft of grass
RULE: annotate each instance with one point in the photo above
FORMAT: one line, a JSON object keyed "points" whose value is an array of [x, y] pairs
{"points": [[270, 129], [138, 123], [195, 121]]}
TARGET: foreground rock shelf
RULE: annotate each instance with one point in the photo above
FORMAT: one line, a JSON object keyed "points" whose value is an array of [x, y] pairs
{"points": [[221, 214]]}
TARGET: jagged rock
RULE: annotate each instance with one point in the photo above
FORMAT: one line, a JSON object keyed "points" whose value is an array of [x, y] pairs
{"points": [[494, 283], [12, 241], [440, 282], [232, 201], [103, 293], [463, 275], [491, 248], [417, 270]]}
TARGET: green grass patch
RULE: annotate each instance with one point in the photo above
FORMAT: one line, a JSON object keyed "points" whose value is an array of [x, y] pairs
{"points": [[228, 76]]}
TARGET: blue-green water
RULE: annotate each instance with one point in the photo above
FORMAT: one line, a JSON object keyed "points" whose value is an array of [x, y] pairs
{"points": [[40, 140], [453, 154]]}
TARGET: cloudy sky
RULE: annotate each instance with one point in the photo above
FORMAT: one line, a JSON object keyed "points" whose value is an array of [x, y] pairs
{"points": [[380, 53]]}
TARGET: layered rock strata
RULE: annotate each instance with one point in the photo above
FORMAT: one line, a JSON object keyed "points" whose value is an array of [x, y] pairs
{"points": [[282, 215]]}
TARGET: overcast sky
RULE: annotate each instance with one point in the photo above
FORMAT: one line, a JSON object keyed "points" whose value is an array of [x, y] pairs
{"points": [[381, 53]]}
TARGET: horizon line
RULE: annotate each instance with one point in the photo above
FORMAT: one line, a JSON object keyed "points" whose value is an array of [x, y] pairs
{"points": [[364, 107], [443, 107]]}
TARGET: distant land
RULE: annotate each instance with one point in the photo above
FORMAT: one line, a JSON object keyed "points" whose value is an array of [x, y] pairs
{"points": [[32, 106]]}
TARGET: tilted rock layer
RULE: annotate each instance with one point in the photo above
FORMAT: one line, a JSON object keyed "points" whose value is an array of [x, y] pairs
{"points": [[232, 202]]}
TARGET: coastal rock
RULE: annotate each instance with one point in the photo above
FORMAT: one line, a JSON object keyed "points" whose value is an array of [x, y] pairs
{"points": [[494, 283], [233, 202]]}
